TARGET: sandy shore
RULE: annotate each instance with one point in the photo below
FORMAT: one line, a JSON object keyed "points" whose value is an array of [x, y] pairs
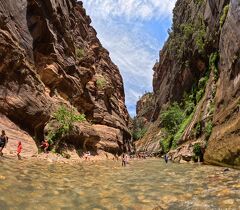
{"points": [[30, 150], [57, 158]]}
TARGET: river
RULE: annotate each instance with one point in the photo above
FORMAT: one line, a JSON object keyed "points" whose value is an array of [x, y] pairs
{"points": [[143, 184]]}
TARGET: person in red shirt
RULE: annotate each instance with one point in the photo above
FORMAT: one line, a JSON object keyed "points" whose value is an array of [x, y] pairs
{"points": [[19, 150], [45, 145]]}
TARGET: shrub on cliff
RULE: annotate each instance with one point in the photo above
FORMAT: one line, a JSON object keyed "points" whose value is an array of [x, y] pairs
{"points": [[188, 103], [224, 15], [188, 30], [197, 150], [101, 83], [139, 133], [79, 53], [213, 59], [208, 129], [166, 144], [65, 119], [176, 119], [198, 129], [172, 118], [198, 2], [139, 128], [181, 130], [200, 94], [202, 82]]}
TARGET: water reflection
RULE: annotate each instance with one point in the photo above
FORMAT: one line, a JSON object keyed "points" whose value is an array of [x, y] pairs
{"points": [[144, 185]]}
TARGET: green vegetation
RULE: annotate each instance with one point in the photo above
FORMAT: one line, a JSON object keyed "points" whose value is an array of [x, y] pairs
{"points": [[79, 53], [201, 87], [139, 133], [172, 118], [198, 2], [188, 103], [187, 36], [224, 15], [198, 129], [177, 116], [139, 128], [199, 95], [65, 119], [175, 119], [213, 59], [213, 64], [200, 36], [188, 30], [208, 129], [184, 39], [203, 82], [65, 155], [101, 83], [181, 130], [166, 144], [197, 150]]}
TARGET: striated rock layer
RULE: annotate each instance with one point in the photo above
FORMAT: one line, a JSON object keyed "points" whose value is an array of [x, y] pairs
{"points": [[200, 30], [50, 55]]}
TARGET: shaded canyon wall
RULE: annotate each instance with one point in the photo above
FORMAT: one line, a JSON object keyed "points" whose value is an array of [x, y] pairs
{"points": [[200, 60], [50, 56]]}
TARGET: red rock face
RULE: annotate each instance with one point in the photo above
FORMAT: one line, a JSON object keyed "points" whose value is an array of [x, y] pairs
{"points": [[145, 106], [201, 28], [50, 55], [224, 145]]}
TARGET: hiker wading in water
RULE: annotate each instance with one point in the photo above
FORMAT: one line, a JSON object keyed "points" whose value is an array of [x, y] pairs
{"points": [[123, 159], [166, 158], [3, 142], [45, 145], [19, 150]]}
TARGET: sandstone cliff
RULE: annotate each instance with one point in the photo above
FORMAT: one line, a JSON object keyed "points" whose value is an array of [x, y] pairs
{"points": [[199, 69], [50, 56]]}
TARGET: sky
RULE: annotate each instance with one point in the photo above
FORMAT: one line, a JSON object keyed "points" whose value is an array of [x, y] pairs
{"points": [[133, 31]]}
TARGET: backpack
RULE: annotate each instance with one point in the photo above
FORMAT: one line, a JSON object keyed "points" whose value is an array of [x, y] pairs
{"points": [[4, 140]]}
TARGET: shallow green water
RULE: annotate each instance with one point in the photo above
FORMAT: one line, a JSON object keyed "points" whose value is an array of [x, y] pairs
{"points": [[144, 184]]}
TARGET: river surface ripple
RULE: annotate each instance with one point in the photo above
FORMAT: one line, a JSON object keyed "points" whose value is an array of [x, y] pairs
{"points": [[143, 184]]}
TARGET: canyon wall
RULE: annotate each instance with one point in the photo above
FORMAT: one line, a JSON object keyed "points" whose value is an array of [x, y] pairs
{"points": [[199, 69], [50, 57]]}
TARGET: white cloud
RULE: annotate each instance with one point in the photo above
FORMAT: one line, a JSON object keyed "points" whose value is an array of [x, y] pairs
{"points": [[121, 29], [135, 54], [132, 9]]}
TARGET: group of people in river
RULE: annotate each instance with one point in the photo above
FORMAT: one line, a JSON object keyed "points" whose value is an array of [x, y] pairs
{"points": [[3, 144], [4, 140], [45, 147]]}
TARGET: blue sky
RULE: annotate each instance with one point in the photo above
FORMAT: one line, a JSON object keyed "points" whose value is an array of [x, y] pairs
{"points": [[133, 31]]}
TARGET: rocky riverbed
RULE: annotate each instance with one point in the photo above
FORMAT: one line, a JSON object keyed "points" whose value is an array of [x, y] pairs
{"points": [[143, 184]]}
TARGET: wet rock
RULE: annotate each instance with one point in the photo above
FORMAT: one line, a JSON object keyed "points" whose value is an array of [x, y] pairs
{"points": [[224, 192], [228, 202], [169, 199], [183, 161]]}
